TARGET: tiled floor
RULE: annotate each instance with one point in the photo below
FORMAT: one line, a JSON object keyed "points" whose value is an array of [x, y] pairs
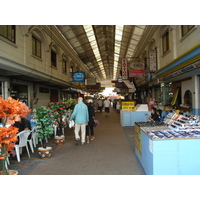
{"points": [[111, 153]]}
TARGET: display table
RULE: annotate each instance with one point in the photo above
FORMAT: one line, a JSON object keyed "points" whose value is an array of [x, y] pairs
{"points": [[128, 118], [168, 156]]}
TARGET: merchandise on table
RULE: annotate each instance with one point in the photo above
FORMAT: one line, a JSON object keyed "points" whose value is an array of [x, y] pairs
{"points": [[150, 123], [186, 123], [172, 134], [180, 127]]}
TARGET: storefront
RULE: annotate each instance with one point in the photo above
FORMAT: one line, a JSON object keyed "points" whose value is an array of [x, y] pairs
{"points": [[69, 93], [183, 72], [19, 91], [4, 87]]}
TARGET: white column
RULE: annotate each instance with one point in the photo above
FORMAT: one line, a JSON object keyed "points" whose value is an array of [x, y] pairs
{"points": [[6, 86], [195, 95]]}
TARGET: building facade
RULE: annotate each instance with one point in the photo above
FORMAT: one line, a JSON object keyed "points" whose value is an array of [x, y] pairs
{"points": [[174, 80], [36, 65]]}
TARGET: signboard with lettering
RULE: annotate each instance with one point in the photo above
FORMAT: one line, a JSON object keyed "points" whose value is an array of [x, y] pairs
{"points": [[138, 140], [91, 81], [124, 69], [182, 70], [78, 76], [137, 69], [136, 73], [152, 60]]}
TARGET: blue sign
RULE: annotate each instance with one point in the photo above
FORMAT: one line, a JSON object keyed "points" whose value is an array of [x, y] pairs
{"points": [[78, 76]]}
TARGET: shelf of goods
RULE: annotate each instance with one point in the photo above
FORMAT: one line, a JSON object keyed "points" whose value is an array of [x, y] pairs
{"points": [[137, 114], [169, 148]]}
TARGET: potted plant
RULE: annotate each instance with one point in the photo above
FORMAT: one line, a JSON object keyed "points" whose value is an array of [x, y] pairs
{"points": [[8, 134], [44, 130], [58, 112]]}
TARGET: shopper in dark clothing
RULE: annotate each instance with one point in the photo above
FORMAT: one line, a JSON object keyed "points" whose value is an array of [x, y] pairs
{"points": [[90, 126], [154, 115], [22, 124]]}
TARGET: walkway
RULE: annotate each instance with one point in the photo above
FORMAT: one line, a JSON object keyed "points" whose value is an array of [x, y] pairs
{"points": [[111, 153]]}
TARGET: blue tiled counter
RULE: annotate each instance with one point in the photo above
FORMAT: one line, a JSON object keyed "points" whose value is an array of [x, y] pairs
{"points": [[167, 156], [128, 118]]}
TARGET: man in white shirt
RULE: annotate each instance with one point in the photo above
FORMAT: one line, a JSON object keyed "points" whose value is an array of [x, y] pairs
{"points": [[107, 107]]}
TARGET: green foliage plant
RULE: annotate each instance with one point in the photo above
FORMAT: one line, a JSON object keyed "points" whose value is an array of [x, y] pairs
{"points": [[43, 124]]}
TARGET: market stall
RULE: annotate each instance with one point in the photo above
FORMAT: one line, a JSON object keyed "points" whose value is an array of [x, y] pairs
{"points": [[169, 148], [129, 115]]}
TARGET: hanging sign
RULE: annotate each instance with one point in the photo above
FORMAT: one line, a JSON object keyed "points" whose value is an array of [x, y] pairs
{"points": [[78, 76], [91, 81], [136, 73], [124, 69], [97, 86], [120, 80], [137, 69], [152, 60]]}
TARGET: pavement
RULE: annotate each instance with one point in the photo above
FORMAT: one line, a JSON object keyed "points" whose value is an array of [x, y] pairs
{"points": [[111, 153]]}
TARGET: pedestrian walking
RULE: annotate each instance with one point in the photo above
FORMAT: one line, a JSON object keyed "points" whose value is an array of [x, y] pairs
{"points": [[81, 116], [100, 105], [90, 126], [107, 107]]}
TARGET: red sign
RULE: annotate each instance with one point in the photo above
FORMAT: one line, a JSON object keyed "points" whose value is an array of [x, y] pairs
{"points": [[124, 69], [136, 73]]}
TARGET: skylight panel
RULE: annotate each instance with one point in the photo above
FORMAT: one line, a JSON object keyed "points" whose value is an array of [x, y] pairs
{"points": [[91, 37], [118, 39]]}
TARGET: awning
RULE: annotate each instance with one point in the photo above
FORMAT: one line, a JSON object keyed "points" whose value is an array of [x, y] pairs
{"points": [[130, 85], [182, 64]]}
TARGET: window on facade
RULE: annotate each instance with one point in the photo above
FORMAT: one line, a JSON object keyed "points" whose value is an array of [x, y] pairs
{"points": [[36, 47], [71, 69], [8, 32], [53, 58], [43, 90], [165, 41], [64, 66], [185, 29]]}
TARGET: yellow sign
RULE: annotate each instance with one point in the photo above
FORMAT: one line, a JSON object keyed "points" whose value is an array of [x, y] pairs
{"points": [[138, 140]]}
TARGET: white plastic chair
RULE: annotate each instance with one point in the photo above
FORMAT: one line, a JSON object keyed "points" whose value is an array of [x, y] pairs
{"points": [[31, 142], [23, 142], [55, 127], [34, 136]]}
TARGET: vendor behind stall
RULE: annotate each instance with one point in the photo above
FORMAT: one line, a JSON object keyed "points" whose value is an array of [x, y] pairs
{"points": [[154, 116]]}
